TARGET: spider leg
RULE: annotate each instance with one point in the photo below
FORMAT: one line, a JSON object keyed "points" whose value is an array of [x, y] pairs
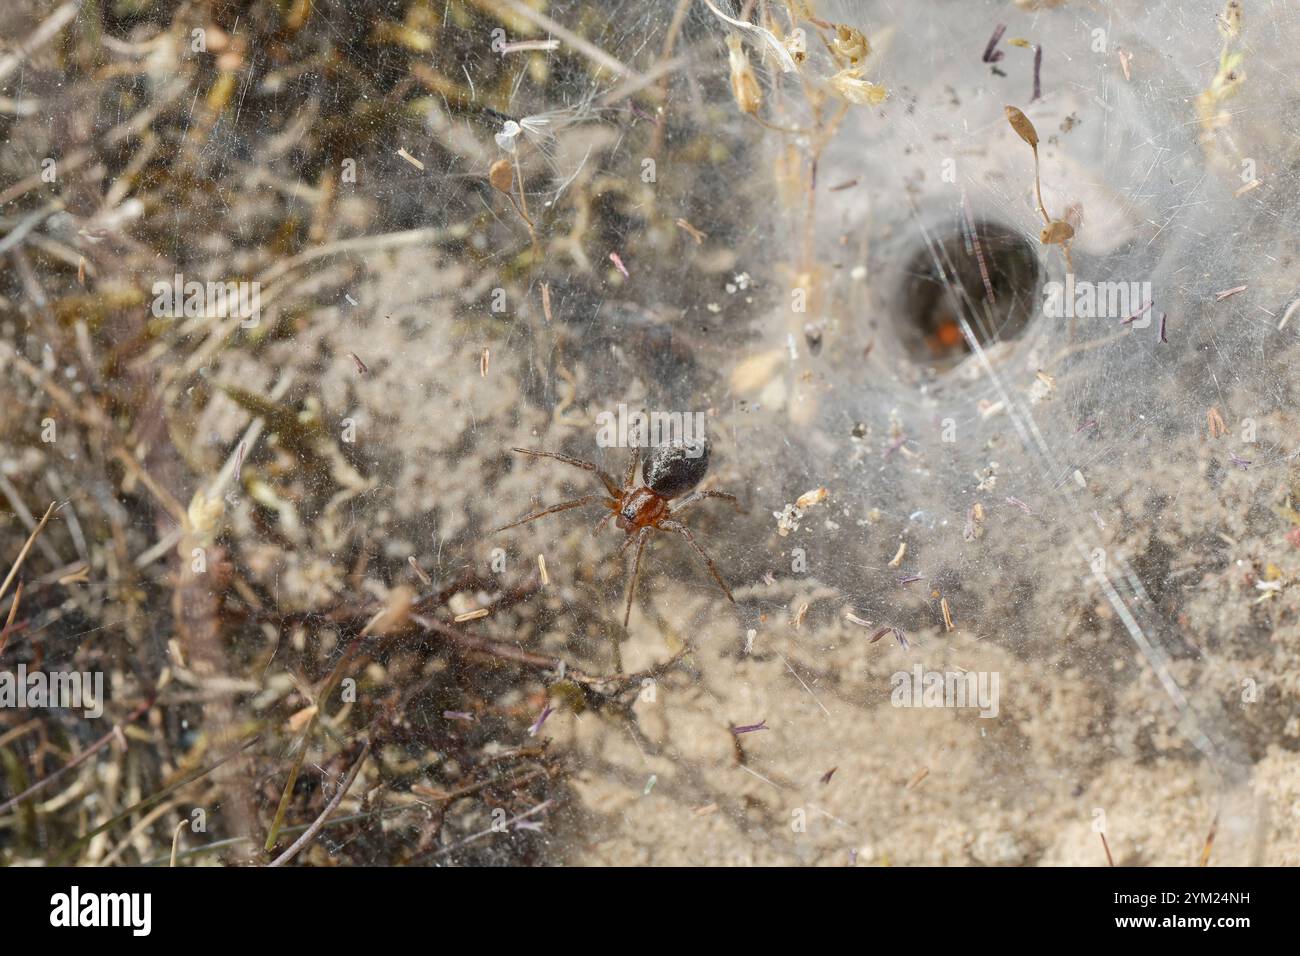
{"points": [[695, 496], [641, 537], [671, 524], [604, 476], [630, 475], [626, 541], [563, 506], [600, 525]]}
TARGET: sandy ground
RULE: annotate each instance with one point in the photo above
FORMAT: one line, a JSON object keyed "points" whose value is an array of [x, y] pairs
{"points": [[1084, 733]]}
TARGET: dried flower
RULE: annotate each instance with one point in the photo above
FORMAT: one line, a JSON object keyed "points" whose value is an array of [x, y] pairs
{"points": [[850, 85], [744, 84], [203, 516], [787, 520], [759, 35], [850, 44], [796, 45], [1056, 232]]}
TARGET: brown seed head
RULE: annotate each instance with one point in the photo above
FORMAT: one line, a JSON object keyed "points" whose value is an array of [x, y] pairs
{"points": [[501, 175], [1020, 123]]}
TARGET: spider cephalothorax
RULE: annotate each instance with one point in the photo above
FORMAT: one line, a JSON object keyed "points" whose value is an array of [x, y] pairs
{"points": [[668, 472]]}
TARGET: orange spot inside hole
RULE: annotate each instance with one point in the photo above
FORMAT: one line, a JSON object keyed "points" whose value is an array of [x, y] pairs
{"points": [[945, 338], [948, 334]]}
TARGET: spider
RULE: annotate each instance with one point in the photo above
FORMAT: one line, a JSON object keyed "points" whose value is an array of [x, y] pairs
{"points": [[668, 472]]}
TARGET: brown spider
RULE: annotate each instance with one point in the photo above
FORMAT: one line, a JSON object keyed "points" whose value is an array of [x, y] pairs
{"points": [[668, 471]]}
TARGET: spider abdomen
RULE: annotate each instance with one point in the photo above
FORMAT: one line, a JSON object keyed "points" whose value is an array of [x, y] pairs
{"points": [[673, 469]]}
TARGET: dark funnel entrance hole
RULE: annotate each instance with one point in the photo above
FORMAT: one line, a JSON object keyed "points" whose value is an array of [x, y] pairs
{"points": [[987, 274]]}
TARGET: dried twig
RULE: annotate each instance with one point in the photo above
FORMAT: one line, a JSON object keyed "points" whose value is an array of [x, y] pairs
{"points": [[301, 843]]}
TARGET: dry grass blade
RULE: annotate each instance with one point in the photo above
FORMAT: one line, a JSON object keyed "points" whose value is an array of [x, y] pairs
{"points": [[22, 555], [13, 612], [301, 843], [81, 758], [71, 853], [176, 841], [273, 833], [43, 34], [1209, 841], [1106, 846]]}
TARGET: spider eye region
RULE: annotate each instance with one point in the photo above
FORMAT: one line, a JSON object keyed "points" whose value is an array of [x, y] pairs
{"points": [[640, 508], [673, 469]]}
